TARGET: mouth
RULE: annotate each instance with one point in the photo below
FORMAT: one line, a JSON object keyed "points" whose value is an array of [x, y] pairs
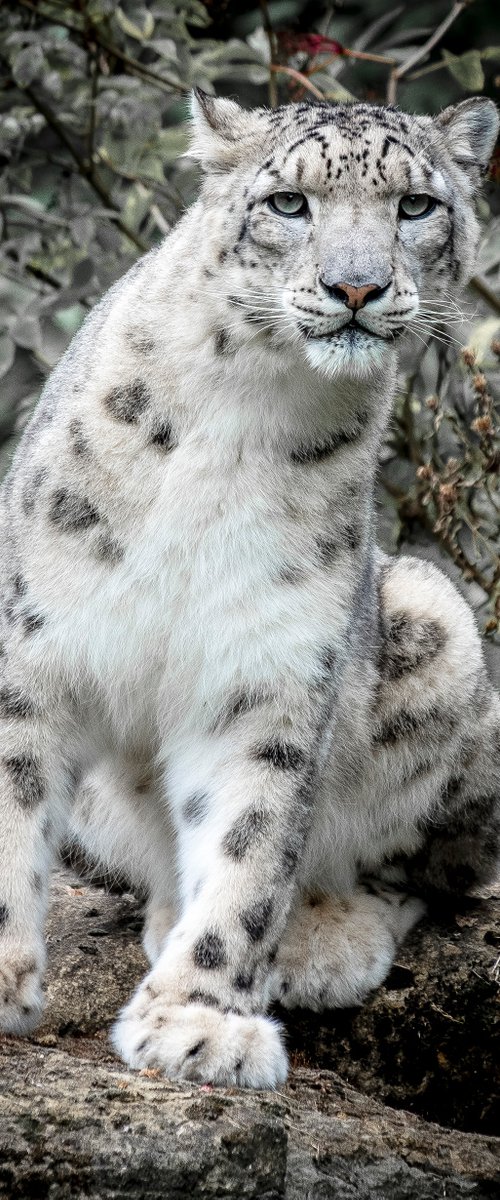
{"points": [[351, 333]]}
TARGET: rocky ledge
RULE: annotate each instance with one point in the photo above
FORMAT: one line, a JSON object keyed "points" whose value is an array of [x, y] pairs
{"points": [[354, 1122]]}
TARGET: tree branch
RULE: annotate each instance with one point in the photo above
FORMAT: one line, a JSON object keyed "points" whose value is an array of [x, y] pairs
{"points": [[299, 77], [399, 72], [271, 37], [134, 66], [86, 169]]}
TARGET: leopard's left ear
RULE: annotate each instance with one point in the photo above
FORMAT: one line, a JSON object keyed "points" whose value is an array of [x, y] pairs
{"points": [[221, 131], [471, 130]]}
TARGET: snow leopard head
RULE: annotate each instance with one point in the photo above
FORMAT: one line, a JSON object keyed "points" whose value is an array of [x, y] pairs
{"points": [[340, 227]]}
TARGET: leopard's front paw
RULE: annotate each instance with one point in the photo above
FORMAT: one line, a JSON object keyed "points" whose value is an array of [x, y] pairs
{"points": [[21, 997], [199, 1043]]}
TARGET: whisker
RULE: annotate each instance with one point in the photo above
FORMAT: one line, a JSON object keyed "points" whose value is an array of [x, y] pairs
{"points": [[445, 339]]}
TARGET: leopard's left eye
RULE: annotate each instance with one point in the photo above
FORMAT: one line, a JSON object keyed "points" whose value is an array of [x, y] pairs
{"points": [[288, 204], [416, 206]]}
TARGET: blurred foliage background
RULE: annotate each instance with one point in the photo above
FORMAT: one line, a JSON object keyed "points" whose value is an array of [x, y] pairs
{"points": [[92, 124]]}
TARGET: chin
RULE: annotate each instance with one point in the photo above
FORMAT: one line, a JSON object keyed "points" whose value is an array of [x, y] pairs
{"points": [[351, 353]]}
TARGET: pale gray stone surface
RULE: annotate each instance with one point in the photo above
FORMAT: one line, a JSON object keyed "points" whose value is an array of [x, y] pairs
{"points": [[75, 1123]]}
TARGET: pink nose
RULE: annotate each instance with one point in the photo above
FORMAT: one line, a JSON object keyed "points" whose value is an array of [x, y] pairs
{"points": [[355, 298]]}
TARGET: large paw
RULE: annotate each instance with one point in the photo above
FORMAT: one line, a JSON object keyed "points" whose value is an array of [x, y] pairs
{"points": [[198, 1043], [335, 952], [21, 996]]}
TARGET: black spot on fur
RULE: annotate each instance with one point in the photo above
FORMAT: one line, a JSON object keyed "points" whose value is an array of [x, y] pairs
{"points": [[79, 443], [291, 574], [32, 622], [409, 644], [352, 535], [31, 490], [162, 436], [320, 450], [4, 915], [209, 951], [244, 980], [283, 755], [128, 402], [435, 723], [452, 788], [328, 660], [20, 585], [25, 775], [142, 345], [256, 919], [195, 808], [289, 860], [198, 997], [197, 1048], [237, 706], [221, 341], [327, 550], [72, 513], [108, 549], [13, 703], [245, 831]]}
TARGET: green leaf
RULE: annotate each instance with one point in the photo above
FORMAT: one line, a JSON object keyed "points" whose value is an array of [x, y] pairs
{"points": [[70, 319], [491, 52], [333, 89], [466, 69], [28, 65], [173, 142], [138, 32]]}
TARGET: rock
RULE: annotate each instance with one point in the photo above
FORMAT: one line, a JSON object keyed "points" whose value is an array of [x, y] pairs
{"points": [[429, 1038], [75, 1123]]}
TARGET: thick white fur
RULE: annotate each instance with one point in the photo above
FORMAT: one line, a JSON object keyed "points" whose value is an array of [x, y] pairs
{"points": [[224, 563]]}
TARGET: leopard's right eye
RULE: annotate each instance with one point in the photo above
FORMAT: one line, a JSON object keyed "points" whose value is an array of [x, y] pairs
{"points": [[288, 204]]}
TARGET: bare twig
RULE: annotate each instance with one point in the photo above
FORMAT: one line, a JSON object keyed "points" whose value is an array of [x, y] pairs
{"points": [[399, 72], [376, 27], [273, 52], [30, 208], [354, 54], [299, 77], [94, 85], [366, 38]]}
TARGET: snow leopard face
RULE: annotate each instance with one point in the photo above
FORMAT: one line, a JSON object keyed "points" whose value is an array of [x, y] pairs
{"points": [[341, 227]]}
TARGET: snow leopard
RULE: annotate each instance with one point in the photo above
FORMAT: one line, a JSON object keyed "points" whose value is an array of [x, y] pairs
{"points": [[212, 680]]}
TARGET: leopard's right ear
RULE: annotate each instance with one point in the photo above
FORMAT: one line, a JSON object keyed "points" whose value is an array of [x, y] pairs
{"points": [[221, 131]]}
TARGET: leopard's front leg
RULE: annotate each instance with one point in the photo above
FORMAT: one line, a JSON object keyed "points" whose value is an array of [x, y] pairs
{"points": [[242, 794]]}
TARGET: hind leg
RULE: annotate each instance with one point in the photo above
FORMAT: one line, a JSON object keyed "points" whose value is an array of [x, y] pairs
{"points": [[424, 812], [433, 657]]}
